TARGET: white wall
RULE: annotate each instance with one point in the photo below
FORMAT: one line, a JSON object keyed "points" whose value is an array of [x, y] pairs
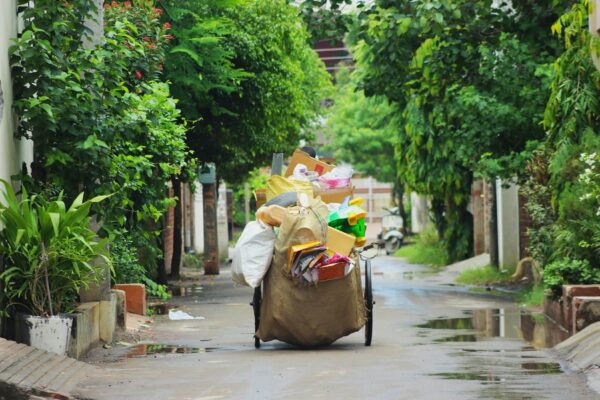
{"points": [[12, 152], [508, 223], [198, 220], [419, 212]]}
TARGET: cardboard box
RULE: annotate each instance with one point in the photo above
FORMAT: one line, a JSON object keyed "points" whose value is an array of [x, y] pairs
{"points": [[312, 164], [339, 241], [260, 195], [335, 195], [332, 271]]}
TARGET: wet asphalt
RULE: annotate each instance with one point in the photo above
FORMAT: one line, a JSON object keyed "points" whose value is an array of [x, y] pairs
{"points": [[431, 340]]}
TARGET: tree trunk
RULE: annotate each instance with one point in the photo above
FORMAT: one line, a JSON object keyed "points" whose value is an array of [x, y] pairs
{"points": [[177, 230], [399, 200], [211, 243], [437, 210]]}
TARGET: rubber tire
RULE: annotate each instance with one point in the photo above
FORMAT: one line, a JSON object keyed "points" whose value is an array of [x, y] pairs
{"points": [[368, 303], [256, 301], [392, 245]]}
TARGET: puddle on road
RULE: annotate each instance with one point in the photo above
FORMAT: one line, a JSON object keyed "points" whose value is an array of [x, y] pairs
{"points": [[143, 350], [467, 376], [457, 338], [186, 291], [161, 308], [541, 368], [538, 368], [536, 329]]}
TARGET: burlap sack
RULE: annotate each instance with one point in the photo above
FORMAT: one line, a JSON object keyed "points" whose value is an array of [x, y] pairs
{"points": [[305, 314]]}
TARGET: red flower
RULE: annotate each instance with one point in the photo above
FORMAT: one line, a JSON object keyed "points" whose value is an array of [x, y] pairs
{"points": [[167, 25], [114, 4], [152, 46], [169, 37], [158, 10], [127, 3], [146, 38], [138, 74], [106, 6]]}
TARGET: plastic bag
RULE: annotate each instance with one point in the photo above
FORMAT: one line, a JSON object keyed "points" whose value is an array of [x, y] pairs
{"points": [[339, 177], [253, 254], [277, 185]]}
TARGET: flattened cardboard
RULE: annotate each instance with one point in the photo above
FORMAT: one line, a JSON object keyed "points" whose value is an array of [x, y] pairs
{"points": [[312, 164], [339, 242], [260, 195], [335, 195]]}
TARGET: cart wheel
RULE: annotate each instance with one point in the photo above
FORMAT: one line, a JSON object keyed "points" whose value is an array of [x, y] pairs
{"points": [[368, 303], [256, 300]]}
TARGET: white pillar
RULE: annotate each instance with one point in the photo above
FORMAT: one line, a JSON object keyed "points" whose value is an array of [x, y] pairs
{"points": [[508, 223], [418, 212], [198, 220], [12, 152]]}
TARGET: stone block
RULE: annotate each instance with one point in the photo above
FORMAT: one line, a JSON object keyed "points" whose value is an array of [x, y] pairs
{"points": [[85, 332], [97, 291], [108, 318], [569, 293], [51, 334], [586, 311], [135, 297], [121, 309], [556, 310]]}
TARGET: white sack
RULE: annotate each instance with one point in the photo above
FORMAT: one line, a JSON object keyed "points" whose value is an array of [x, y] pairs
{"points": [[252, 254]]}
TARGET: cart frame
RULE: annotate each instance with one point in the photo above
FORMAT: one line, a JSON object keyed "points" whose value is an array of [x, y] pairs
{"points": [[367, 295]]}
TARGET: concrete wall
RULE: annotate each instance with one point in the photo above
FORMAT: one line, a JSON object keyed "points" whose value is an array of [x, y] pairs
{"points": [[508, 223], [419, 213], [12, 152]]}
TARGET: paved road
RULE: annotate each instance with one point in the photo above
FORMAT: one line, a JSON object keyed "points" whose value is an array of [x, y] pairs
{"points": [[431, 341]]}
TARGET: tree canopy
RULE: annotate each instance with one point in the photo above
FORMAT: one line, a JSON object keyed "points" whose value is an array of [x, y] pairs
{"points": [[252, 84], [470, 80]]}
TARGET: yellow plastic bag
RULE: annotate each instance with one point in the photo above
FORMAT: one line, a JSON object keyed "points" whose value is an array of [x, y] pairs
{"points": [[277, 185]]}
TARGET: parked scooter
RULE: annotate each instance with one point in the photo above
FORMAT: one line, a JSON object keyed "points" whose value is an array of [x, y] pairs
{"points": [[391, 230]]}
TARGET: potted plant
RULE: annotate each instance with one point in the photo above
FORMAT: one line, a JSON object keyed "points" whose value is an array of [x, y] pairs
{"points": [[49, 253]]}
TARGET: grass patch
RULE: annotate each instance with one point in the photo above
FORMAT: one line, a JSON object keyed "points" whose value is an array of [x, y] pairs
{"points": [[533, 296], [426, 250], [487, 275], [192, 261]]}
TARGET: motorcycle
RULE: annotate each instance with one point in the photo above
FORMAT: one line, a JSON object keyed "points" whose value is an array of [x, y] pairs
{"points": [[391, 230]]}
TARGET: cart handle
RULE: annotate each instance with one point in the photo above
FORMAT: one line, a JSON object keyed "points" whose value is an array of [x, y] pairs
{"points": [[377, 245]]}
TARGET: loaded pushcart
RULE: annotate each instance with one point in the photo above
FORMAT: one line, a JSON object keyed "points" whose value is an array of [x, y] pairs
{"points": [[310, 291]]}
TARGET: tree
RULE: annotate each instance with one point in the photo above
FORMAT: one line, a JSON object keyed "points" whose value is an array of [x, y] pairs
{"points": [[249, 78], [464, 76], [100, 120], [364, 133]]}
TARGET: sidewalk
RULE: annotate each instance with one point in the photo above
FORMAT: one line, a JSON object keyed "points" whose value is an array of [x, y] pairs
{"points": [[30, 373]]}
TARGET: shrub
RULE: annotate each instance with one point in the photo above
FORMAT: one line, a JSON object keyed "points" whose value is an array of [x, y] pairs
{"points": [[568, 271], [49, 252]]}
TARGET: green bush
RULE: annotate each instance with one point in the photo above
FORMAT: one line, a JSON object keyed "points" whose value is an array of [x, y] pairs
{"points": [[569, 271], [125, 260], [49, 252]]}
